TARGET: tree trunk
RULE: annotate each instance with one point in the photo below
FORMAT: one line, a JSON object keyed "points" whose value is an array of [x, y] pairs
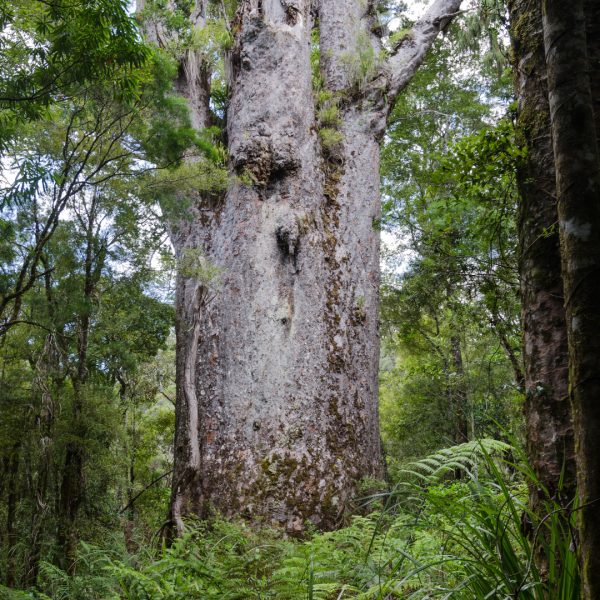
{"points": [[460, 395], [277, 373], [547, 409], [11, 515], [578, 185], [592, 21], [45, 368], [72, 487]]}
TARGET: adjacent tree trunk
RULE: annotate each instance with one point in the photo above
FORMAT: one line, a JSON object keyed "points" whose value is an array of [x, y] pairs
{"points": [[578, 186], [592, 22], [11, 514], [72, 486], [45, 368], [277, 372], [459, 400], [545, 351]]}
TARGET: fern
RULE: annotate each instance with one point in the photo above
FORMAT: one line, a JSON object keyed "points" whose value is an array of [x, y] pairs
{"points": [[484, 553], [464, 457], [438, 537]]}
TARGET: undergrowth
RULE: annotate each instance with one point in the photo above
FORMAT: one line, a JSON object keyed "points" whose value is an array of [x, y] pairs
{"points": [[451, 528]]}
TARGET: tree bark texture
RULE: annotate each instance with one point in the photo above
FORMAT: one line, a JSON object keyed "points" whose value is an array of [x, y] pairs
{"points": [[548, 419], [277, 366], [578, 188]]}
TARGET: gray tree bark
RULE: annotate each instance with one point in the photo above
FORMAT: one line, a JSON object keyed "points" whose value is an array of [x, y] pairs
{"points": [[577, 163], [277, 373]]}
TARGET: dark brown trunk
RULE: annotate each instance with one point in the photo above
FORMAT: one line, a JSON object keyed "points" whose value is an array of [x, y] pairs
{"points": [[578, 188], [11, 513], [545, 352], [459, 394], [71, 491], [592, 21]]}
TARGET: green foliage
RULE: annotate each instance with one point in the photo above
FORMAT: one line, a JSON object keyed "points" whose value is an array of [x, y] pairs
{"points": [[193, 263], [485, 548], [483, 33], [80, 329], [463, 458], [212, 39], [90, 582], [361, 62], [327, 104], [451, 359], [330, 138], [328, 115], [50, 48], [438, 537], [179, 36], [176, 188]]}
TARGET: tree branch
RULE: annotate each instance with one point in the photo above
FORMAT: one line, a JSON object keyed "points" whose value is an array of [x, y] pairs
{"points": [[412, 49], [153, 482]]}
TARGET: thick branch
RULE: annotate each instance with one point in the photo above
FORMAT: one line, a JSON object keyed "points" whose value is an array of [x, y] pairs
{"points": [[412, 49]]}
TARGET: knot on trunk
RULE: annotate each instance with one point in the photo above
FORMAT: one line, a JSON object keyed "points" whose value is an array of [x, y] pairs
{"points": [[292, 11], [266, 158], [288, 238]]}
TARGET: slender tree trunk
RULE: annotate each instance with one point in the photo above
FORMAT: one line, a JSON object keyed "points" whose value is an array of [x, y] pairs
{"points": [[504, 330], [72, 486], [129, 521], [45, 368], [578, 186], [11, 514], [72, 482], [545, 351], [459, 391], [277, 371]]}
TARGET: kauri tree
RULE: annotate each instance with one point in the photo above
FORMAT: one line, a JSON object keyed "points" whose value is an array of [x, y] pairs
{"points": [[277, 350]]}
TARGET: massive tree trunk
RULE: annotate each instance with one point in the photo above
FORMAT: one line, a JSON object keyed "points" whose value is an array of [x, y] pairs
{"points": [[547, 409], [578, 189], [277, 373]]}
